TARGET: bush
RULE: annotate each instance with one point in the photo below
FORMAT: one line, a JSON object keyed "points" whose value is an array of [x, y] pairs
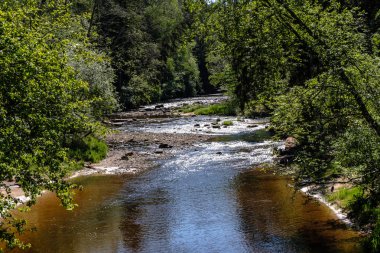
{"points": [[224, 109], [90, 149], [228, 123], [344, 196]]}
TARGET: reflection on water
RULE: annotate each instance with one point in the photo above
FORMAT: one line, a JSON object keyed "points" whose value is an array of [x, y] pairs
{"points": [[131, 230], [205, 199], [276, 219], [259, 135]]}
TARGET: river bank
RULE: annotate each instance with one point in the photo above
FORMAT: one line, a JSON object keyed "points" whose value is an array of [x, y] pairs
{"points": [[132, 152], [187, 176], [135, 152]]}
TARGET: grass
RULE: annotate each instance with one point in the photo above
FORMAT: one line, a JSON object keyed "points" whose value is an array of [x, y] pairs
{"points": [[227, 123], [344, 196], [224, 109], [90, 149], [190, 108]]}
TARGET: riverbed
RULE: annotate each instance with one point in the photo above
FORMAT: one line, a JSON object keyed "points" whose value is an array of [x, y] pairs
{"points": [[211, 196]]}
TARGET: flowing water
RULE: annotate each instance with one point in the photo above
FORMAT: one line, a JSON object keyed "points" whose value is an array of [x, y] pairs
{"points": [[208, 198]]}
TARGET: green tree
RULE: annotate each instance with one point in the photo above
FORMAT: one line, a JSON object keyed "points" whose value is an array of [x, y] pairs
{"points": [[315, 63], [46, 102]]}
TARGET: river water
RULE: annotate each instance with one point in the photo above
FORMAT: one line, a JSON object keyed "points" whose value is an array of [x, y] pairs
{"points": [[208, 198]]}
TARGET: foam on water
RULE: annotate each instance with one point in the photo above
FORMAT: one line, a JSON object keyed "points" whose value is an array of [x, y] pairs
{"points": [[200, 125], [176, 103]]}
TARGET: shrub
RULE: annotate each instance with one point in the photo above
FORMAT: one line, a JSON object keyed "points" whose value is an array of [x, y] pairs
{"points": [[89, 149], [344, 196], [228, 123], [225, 109]]}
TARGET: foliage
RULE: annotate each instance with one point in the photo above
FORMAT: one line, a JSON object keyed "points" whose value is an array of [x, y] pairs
{"points": [[314, 65], [345, 196], [88, 149], [227, 109], [149, 50], [227, 123], [49, 95], [94, 68], [183, 73]]}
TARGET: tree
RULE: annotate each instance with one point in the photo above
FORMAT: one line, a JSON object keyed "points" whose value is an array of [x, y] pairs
{"points": [[315, 63], [144, 38], [45, 103]]}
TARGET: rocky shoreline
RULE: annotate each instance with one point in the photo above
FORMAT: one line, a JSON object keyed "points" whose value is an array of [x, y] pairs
{"points": [[133, 152]]}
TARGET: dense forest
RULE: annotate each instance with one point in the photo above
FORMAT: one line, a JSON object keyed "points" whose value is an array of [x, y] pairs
{"points": [[313, 66]]}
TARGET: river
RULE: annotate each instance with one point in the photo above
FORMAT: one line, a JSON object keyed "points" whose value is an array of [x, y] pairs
{"points": [[210, 197]]}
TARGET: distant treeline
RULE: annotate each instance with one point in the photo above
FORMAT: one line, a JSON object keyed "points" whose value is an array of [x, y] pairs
{"points": [[152, 54]]}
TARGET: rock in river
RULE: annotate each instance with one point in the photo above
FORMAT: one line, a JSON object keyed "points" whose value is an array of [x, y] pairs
{"points": [[163, 145]]}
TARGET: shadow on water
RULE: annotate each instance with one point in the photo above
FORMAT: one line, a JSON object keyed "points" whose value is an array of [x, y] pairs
{"points": [[255, 136], [130, 228], [274, 218]]}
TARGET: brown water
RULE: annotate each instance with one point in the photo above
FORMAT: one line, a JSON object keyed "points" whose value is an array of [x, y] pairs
{"points": [[205, 199]]}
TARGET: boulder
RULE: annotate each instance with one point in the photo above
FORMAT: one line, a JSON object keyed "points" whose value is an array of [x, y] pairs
{"points": [[284, 160], [126, 156], [286, 155], [290, 143]]}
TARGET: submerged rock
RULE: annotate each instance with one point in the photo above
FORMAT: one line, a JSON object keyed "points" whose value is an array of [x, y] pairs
{"points": [[126, 156], [163, 145]]}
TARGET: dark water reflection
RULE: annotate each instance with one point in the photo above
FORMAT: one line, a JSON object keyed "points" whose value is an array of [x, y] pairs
{"points": [[206, 199], [276, 219]]}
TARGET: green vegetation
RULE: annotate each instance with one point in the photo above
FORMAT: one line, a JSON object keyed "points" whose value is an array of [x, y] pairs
{"points": [[344, 196], [150, 50], [313, 67], [64, 66], [54, 86], [227, 123], [88, 149], [223, 109]]}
